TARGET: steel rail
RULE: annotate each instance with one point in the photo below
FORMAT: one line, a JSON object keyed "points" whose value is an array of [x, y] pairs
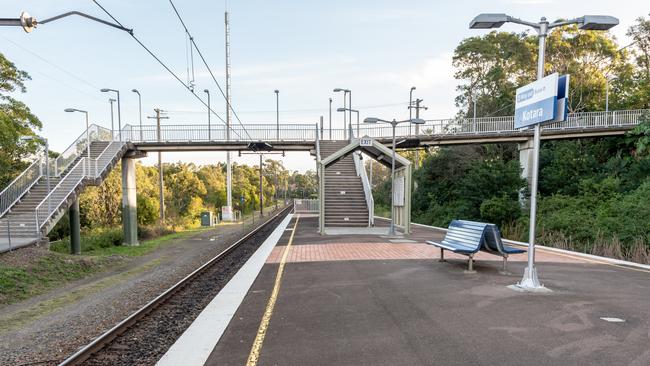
{"points": [[107, 337]]}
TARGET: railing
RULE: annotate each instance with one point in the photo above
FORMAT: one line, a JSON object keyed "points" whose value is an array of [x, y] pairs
{"points": [[60, 193], [305, 206], [79, 147], [367, 189], [84, 168], [199, 133], [21, 184]]}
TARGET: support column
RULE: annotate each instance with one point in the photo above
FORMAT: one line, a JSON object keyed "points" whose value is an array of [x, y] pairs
{"points": [[129, 202], [526, 161], [75, 228]]}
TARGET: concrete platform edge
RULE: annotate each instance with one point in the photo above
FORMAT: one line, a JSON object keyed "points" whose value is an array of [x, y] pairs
{"points": [[194, 346]]}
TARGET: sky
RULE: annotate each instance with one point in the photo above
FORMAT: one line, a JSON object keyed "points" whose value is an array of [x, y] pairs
{"points": [[376, 48]]}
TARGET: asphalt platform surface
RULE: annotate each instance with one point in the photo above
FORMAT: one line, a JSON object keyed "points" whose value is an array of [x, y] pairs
{"points": [[404, 307]]}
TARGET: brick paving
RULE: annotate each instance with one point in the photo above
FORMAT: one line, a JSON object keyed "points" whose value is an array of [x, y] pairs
{"points": [[391, 251]]}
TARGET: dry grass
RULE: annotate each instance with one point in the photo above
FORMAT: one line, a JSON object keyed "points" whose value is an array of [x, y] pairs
{"points": [[638, 251]]}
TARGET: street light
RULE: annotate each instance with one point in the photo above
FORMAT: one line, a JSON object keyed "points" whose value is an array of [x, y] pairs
{"points": [[351, 110], [29, 23], [530, 280], [70, 110], [393, 123], [345, 124], [119, 108], [139, 108], [330, 118], [277, 114], [110, 101], [209, 112], [607, 81], [411, 105]]}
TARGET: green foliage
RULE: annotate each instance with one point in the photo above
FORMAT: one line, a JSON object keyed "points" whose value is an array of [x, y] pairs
{"points": [[500, 210], [92, 240], [16, 120]]}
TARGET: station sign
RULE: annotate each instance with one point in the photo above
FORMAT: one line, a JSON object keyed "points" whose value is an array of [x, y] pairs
{"points": [[536, 102], [365, 141], [562, 109]]}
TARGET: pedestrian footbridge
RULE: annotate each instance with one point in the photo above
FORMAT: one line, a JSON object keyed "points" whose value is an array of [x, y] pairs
{"points": [[31, 205]]}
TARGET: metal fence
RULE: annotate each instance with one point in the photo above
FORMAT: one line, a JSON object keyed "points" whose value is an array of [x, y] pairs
{"points": [[19, 186], [306, 206]]}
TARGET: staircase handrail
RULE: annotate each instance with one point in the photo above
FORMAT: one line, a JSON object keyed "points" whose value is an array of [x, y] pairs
{"points": [[367, 189], [101, 162], [15, 190], [76, 174], [79, 146]]}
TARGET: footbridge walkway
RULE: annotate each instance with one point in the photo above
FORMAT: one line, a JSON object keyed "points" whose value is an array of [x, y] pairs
{"points": [[31, 205]]}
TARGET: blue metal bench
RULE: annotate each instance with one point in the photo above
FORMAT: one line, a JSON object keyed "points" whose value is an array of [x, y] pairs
{"points": [[494, 245], [463, 237], [468, 237]]}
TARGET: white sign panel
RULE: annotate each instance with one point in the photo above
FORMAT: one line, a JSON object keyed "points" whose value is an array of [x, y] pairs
{"points": [[536, 102], [398, 196], [365, 141]]}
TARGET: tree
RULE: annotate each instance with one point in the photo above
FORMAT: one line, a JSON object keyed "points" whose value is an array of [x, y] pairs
{"points": [[16, 120]]}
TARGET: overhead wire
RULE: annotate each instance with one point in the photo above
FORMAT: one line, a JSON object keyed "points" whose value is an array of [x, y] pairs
{"points": [[168, 69], [228, 103]]}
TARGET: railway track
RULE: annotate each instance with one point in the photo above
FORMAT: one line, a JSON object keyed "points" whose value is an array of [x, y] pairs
{"points": [[144, 336]]}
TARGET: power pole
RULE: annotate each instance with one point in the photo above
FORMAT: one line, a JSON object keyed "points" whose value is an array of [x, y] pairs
{"points": [[261, 189], [417, 128], [228, 104], [161, 188]]}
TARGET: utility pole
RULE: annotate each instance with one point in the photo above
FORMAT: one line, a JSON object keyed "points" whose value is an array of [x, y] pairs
{"points": [[417, 128], [228, 104], [261, 189], [161, 196]]}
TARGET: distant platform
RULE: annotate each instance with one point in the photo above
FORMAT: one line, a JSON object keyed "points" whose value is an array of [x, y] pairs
{"points": [[374, 300]]}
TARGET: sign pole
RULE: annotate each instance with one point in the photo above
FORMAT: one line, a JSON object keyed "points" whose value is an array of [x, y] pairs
{"points": [[530, 280]]}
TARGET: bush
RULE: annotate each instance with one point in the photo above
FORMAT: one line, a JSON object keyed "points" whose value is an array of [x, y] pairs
{"points": [[500, 210], [92, 239]]}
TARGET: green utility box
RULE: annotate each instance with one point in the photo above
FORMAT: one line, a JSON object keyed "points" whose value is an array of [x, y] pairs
{"points": [[208, 218]]}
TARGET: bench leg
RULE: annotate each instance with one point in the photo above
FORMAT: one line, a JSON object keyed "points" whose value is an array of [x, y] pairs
{"points": [[442, 255], [504, 270], [470, 264]]}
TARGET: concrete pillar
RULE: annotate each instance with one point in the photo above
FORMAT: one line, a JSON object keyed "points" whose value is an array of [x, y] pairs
{"points": [[129, 205], [526, 159], [75, 228]]}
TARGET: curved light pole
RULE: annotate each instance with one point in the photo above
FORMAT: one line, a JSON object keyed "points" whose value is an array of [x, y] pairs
{"points": [[345, 123], [393, 123], [110, 101], [277, 114], [70, 110], [206, 91], [351, 111], [411, 106], [119, 108], [530, 281], [140, 109]]}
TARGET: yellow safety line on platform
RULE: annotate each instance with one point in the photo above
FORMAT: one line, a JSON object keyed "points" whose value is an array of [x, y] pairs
{"points": [[254, 356]]}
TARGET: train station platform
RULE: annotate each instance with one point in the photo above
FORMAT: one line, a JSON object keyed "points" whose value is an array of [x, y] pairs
{"points": [[375, 300]]}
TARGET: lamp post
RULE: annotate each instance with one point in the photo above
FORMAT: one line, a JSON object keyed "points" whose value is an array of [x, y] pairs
{"points": [[139, 109], [607, 81], [330, 118], [351, 111], [411, 105], [345, 123], [277, 114], [70, 110], [119, 108], [530, 281], [111, 100], [393, 123], [206, 91]]}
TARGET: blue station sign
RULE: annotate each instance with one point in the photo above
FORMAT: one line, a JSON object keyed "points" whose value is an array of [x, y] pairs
{"points": [[536, 102]]}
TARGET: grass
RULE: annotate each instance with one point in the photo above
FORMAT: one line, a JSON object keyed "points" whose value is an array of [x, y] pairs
{"points": [[42, 270]]}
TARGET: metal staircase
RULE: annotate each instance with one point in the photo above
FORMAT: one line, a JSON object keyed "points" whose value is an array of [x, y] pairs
{"points": [[345, 198], [29, 211]]}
